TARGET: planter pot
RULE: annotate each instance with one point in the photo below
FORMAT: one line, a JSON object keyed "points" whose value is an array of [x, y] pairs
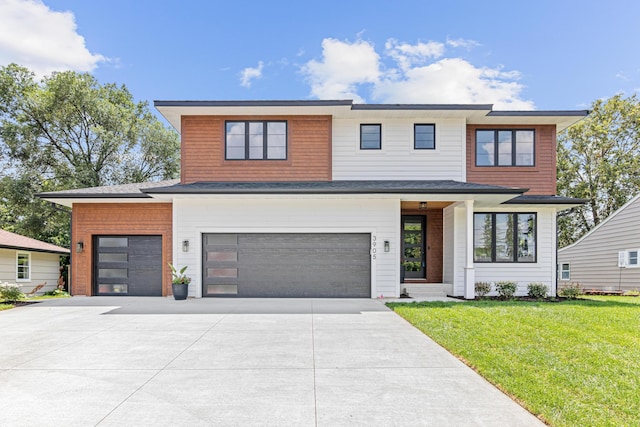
{"points": [[180, 290]]}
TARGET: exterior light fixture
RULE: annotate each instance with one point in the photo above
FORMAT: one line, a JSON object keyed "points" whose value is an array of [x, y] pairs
{"points": [[79, 246], [387, 247], [422, 206], [185, 246]]}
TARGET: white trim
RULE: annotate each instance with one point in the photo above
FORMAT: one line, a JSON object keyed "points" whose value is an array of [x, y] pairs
{"points": [[562, 271], [610, 217], [28, 254]]}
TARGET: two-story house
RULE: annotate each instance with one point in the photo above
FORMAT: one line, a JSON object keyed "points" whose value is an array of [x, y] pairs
{"points": [[330, 199]]}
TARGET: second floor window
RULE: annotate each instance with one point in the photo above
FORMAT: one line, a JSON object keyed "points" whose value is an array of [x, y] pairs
{"points": [[424, 137], [256, 140], [370, 137], [503, 147]]}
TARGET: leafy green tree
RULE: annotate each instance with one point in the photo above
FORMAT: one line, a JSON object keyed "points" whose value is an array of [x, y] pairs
{"points": [[599, 160], [69, 131]]}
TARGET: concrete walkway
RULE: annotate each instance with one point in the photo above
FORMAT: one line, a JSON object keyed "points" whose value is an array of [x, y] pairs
{"points": [[113, 361]]}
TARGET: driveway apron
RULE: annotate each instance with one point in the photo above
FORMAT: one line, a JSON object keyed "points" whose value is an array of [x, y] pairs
{"points": [[151, 361]]}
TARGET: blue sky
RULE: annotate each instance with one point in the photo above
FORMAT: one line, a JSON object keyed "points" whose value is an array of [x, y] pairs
{"points": [[514, 54]]}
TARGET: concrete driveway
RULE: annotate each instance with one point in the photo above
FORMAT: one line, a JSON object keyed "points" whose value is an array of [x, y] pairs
{"points": [[113, 361]]}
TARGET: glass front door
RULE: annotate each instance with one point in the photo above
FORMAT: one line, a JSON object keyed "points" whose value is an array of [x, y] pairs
{"points": [[413, 254]]}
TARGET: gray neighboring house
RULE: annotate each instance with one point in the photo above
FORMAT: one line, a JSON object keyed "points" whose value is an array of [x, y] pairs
{"points": [[29, 262], [608, 256]]}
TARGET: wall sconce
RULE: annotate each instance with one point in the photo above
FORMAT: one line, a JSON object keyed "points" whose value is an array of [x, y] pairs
{"points": [[387, 247], [422, 206], [79, 247], [185, 246]]}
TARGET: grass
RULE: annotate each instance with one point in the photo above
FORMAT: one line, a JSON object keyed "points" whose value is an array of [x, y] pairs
{"points": [[4, 305], [573, 363]]}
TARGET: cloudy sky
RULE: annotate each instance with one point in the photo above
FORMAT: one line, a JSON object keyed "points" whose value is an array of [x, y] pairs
{"points": [[515, 55]]}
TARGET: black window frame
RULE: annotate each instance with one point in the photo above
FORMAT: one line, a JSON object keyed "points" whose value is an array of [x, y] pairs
{"points": [[515, 238], [514, 144], [433, 126], [379, 125], [247, 131]]}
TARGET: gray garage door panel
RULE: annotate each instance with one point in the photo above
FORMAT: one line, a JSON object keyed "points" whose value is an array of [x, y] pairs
{"points": [[128, 265], [287, 265]]}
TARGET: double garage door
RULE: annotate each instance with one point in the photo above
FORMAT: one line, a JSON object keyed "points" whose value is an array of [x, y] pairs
{"points": [[310, 265]]}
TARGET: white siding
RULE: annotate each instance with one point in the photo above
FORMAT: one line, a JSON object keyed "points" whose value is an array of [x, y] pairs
{"points": [[44, 268], [380, 217], [397, 160], [448, 250], [594, 259], [524, 273]]}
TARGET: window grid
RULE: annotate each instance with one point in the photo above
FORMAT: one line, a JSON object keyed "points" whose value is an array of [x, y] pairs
{"points": [[23, 267], [256, 140], [565, 272], [505, 237], [370, 137], [505, 147], [424, 136]]}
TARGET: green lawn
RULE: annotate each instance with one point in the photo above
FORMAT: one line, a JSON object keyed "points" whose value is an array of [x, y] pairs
{"points": [[573, 363]]}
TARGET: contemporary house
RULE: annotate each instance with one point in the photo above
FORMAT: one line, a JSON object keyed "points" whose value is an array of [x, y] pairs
{"points": [[28, 262], [606, 258], [330, 199]]}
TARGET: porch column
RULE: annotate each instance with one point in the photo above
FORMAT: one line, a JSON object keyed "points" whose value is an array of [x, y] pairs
{"points": [[469, 272]]}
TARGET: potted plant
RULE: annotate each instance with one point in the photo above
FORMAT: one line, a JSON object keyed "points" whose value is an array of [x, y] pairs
{"points": [[179, 282]]}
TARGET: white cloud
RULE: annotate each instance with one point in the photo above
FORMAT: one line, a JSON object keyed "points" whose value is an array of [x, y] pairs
{"points": [[343, 67], [468, 44], [42, 40], [249, 74], [416, 73]]}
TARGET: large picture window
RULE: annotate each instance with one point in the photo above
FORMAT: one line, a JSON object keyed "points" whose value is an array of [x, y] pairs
{"points": [[256, 140], [504, 237], [505, 147]]}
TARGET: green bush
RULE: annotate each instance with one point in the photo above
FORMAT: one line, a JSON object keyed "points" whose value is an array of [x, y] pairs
{"points": [[506, 289], [482, 289], [572, 291], [537, 290], [10, 292], [56, 292]]}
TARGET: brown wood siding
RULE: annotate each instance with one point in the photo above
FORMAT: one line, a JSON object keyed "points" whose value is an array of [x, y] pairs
{"points": [[539, 179], [91, 219], [434, 240], [308, 151]]}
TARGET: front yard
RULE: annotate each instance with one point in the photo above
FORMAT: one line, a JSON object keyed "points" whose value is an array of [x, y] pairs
{"points": [[573, 363]]}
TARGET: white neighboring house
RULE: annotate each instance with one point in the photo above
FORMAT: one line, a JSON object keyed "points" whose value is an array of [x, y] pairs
{"points": [[607, 257], [29, 262]]}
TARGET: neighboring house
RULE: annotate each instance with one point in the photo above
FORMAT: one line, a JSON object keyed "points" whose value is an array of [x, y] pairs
{"points": [[330, 199], [29, 262], [607, 257]]}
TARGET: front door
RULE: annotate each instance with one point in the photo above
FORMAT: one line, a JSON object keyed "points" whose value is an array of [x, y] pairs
{"points": [[413, 254]]}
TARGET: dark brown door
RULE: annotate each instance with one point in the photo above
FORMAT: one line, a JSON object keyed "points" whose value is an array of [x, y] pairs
{"points": [[413, 244]]}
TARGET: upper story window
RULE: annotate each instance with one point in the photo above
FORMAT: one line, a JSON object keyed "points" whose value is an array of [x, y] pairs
{"points": [[501, 147], [370, 137], [504, 237], [23, 266], [424, 136], [256, 140]]}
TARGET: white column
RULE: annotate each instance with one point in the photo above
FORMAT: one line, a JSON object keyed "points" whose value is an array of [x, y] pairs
{"points": [[469, 272]]}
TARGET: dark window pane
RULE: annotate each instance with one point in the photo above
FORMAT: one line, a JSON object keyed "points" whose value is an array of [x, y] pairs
{"points": [[485, 148], [482, 237], [222, 272], [112, 257], [222, 256], [524, 148], [504, 237], [526, 238], [505, 145], [370, 137], [104, 288], [222, 289], [107, 273], [424, 137]]}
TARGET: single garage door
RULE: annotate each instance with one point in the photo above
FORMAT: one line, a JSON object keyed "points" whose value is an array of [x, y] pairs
{"points": [[127, 265], [306, 265]]}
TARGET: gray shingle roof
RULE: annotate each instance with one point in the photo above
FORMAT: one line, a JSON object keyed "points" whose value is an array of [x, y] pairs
{"points": [[547, 200], [120, 191]]}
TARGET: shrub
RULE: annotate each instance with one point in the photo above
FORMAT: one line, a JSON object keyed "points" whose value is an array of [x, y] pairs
{"points": [[506, 289], [482, 289], [537, 290], [10, 292], [56, 292], [572, 291]]}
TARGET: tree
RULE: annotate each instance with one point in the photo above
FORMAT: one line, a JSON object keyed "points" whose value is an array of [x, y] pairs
{"points": [[598, 160], [69, 131]]}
